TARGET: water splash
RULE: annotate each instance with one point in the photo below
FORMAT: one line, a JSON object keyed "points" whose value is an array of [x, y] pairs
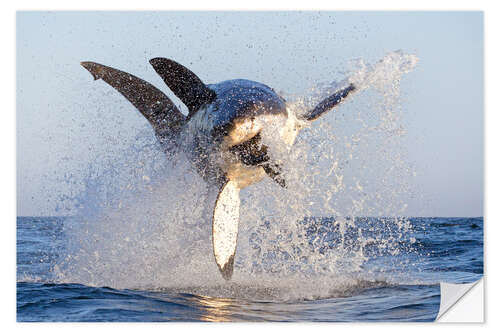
{"points": [[140, 219]]}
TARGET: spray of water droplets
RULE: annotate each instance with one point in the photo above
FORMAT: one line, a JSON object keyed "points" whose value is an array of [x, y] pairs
{"points": [[140, 219]]}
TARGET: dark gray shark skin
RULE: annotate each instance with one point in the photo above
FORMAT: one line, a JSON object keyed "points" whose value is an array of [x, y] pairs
{"points": [[221, 135]]}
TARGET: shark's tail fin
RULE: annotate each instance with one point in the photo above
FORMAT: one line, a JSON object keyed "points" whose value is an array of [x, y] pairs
{"points": [[184, 84], [153, 104]]}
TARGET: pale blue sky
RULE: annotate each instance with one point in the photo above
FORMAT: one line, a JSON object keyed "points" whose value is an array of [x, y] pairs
{"points": [[290, 51]]}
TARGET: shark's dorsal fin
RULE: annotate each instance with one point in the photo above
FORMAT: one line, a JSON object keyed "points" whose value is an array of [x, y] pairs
{"points": [[153, 104], [225, 220], [184, 84]]}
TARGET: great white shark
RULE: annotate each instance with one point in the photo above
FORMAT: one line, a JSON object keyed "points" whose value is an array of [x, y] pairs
{"points": [[221, 135]]}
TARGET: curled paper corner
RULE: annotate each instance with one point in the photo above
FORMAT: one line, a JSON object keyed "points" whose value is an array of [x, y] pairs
{"points": [[462, 303]]}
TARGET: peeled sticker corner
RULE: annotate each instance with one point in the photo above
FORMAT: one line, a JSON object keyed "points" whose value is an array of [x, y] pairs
{"points": [[462, 303]]}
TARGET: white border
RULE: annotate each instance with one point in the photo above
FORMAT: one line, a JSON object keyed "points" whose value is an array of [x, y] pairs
{"points": [[7, 132], [435, 5]]}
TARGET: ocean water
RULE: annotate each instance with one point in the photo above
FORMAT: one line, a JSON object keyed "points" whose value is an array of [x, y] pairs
{"points": [[400, 286]]}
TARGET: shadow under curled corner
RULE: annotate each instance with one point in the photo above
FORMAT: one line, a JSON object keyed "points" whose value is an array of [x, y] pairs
{"points": [[462, 303]]}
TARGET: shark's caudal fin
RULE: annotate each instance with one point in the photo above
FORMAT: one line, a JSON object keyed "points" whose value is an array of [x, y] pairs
{"points": [[225, 220], [153, 104], [328, 103], [184, 84]]}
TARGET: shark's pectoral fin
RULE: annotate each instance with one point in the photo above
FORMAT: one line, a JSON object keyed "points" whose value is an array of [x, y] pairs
{"points": [[225, 227], [329, 103]]}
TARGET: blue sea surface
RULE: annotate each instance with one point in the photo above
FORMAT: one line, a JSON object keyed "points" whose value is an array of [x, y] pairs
{"points": [[434, 250]]}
